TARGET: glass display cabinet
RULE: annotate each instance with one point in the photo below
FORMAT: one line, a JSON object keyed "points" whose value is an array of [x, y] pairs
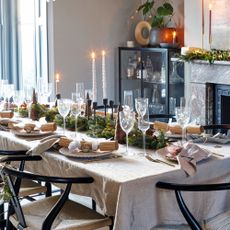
{"points": [[151, 73]]}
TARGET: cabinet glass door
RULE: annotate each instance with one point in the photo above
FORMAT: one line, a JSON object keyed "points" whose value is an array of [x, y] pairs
{"points": [[176, 82], [155, 79], [130, 74]]}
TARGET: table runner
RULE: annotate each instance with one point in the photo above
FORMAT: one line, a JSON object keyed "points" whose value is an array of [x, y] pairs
{"points": [[125, 187]]}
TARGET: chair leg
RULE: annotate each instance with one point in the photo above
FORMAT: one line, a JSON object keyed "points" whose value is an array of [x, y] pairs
{"points": [[2, 218], [94, 205], [49, 190]]}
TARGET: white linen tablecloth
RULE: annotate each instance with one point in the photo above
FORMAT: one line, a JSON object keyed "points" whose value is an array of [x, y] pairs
{"points": [[125, 187]]}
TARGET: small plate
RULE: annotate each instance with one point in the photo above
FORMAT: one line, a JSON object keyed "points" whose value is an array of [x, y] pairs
{"points": [[77, 154], [37, 133]]}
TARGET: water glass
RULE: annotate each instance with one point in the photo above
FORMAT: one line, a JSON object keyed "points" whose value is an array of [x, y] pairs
{"points": [[143, 125], [128, 98], [127, 119], [80, 90], [183, 118], [141, 105], [64, 109]]}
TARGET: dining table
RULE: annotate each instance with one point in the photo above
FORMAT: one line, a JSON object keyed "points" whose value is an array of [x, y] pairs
{"points": [[124, 185]]}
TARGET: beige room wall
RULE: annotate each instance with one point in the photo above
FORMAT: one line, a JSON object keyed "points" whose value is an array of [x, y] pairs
{"points": [[83, 26]]}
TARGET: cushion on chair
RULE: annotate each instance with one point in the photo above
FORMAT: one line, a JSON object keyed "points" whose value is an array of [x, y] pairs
{"points": [[29, 187], [72, 216], [219, 222]]}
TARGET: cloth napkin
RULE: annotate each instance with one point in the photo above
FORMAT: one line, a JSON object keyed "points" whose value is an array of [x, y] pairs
{"points": [[189, 155], [42, 146], [218, 138]]}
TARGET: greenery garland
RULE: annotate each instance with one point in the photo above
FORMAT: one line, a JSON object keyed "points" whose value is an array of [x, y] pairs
{"points": [[206, 55]]}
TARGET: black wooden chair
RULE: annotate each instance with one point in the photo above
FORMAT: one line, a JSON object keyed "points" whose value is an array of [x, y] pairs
{"points": [[222, 220], [215, 128], [58, 211]]}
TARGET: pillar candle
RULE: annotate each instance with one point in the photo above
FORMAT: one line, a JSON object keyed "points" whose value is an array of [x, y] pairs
{"points": [[94, 80], [104, 80], [210, 23]]}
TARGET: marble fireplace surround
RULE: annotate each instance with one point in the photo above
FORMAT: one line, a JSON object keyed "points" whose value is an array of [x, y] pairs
{"points": [[203, 78]]}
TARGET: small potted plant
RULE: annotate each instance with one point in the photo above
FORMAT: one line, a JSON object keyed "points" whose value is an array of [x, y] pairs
{"points": [[159, 18]]}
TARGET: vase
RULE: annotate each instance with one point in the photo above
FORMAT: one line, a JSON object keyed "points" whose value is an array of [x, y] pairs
{"points": [[155, 37]]}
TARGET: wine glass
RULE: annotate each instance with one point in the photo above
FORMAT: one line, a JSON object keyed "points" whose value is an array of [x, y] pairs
{"points": [[76, 108], [127, 119], [80, 90], [18, 98], [128, 98], [64, 108], [143, 125], [141, 105], [182, 117]]}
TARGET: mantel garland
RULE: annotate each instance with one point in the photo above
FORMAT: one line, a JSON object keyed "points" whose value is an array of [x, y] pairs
{"points": [[210, 56]]}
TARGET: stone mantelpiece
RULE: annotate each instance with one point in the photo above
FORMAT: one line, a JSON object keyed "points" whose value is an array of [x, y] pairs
{"points": [[203, 78]]}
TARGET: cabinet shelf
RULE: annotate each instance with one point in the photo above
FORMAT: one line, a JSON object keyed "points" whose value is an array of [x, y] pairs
{"points": [[155, 64]]}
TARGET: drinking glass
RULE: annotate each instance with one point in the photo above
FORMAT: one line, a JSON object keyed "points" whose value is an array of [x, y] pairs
{"points": [[64, 108], [76, 108], [128, 98], [182, 117], [141, 105], [80, 90], [127, 119], [18, 97], [143, 125]]}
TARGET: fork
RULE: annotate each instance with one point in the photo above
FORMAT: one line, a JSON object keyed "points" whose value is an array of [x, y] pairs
{"points": [[156, 160]]}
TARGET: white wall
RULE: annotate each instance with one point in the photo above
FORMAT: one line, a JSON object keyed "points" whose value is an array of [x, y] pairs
{"points": [[83, 26]]}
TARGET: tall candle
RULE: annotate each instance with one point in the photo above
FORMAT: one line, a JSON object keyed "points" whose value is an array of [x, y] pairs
{"points": [[57, 80], [104, 80], [94, 80], [210, 23]]}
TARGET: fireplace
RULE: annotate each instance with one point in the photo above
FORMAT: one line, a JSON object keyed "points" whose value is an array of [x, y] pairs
{"points": [[222, 104], [210, 85]]}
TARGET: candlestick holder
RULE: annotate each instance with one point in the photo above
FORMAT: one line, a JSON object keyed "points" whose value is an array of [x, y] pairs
{"points": [[111, 104], [94, 110], [58, 96], [105, 103]]}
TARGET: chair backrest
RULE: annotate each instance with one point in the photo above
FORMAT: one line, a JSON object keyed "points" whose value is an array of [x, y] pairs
{"points": [[215, 128], [162, 117], [10, 174], [178, 188]]}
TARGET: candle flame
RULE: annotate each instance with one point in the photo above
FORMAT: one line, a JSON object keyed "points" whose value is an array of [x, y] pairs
{"points": [[93, 55], [210, 6], [103, 53], [57, 77], [174, 34]]}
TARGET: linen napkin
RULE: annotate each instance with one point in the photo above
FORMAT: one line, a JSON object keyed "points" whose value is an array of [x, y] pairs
{"points": [[189, 156], [218, 138], [42, 146]]}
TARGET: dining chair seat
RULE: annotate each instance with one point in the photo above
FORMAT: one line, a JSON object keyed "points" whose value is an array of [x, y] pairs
{"points": [[172, 227], [218, 222], [29, 187], [72, 216]]}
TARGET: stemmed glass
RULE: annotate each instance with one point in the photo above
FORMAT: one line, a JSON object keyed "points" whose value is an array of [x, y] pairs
{"points": [[80, 91], [76, 108], [182, 116], [141, 105], [64, 108], [128, 98], [127, 119]]}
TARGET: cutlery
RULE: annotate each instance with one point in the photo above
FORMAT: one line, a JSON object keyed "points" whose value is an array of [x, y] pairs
{"points": [[217, 154], [156, 160]]}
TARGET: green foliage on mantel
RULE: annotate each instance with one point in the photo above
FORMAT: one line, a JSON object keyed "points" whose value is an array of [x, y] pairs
{"points": [[210, 56]]}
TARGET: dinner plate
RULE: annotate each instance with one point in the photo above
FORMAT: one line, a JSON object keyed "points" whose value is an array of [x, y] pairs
{"points": [[77, 154], [36, 133]]}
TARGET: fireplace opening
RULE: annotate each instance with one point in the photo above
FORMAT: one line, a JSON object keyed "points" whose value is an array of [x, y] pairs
{"points": [[222, 104]]}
